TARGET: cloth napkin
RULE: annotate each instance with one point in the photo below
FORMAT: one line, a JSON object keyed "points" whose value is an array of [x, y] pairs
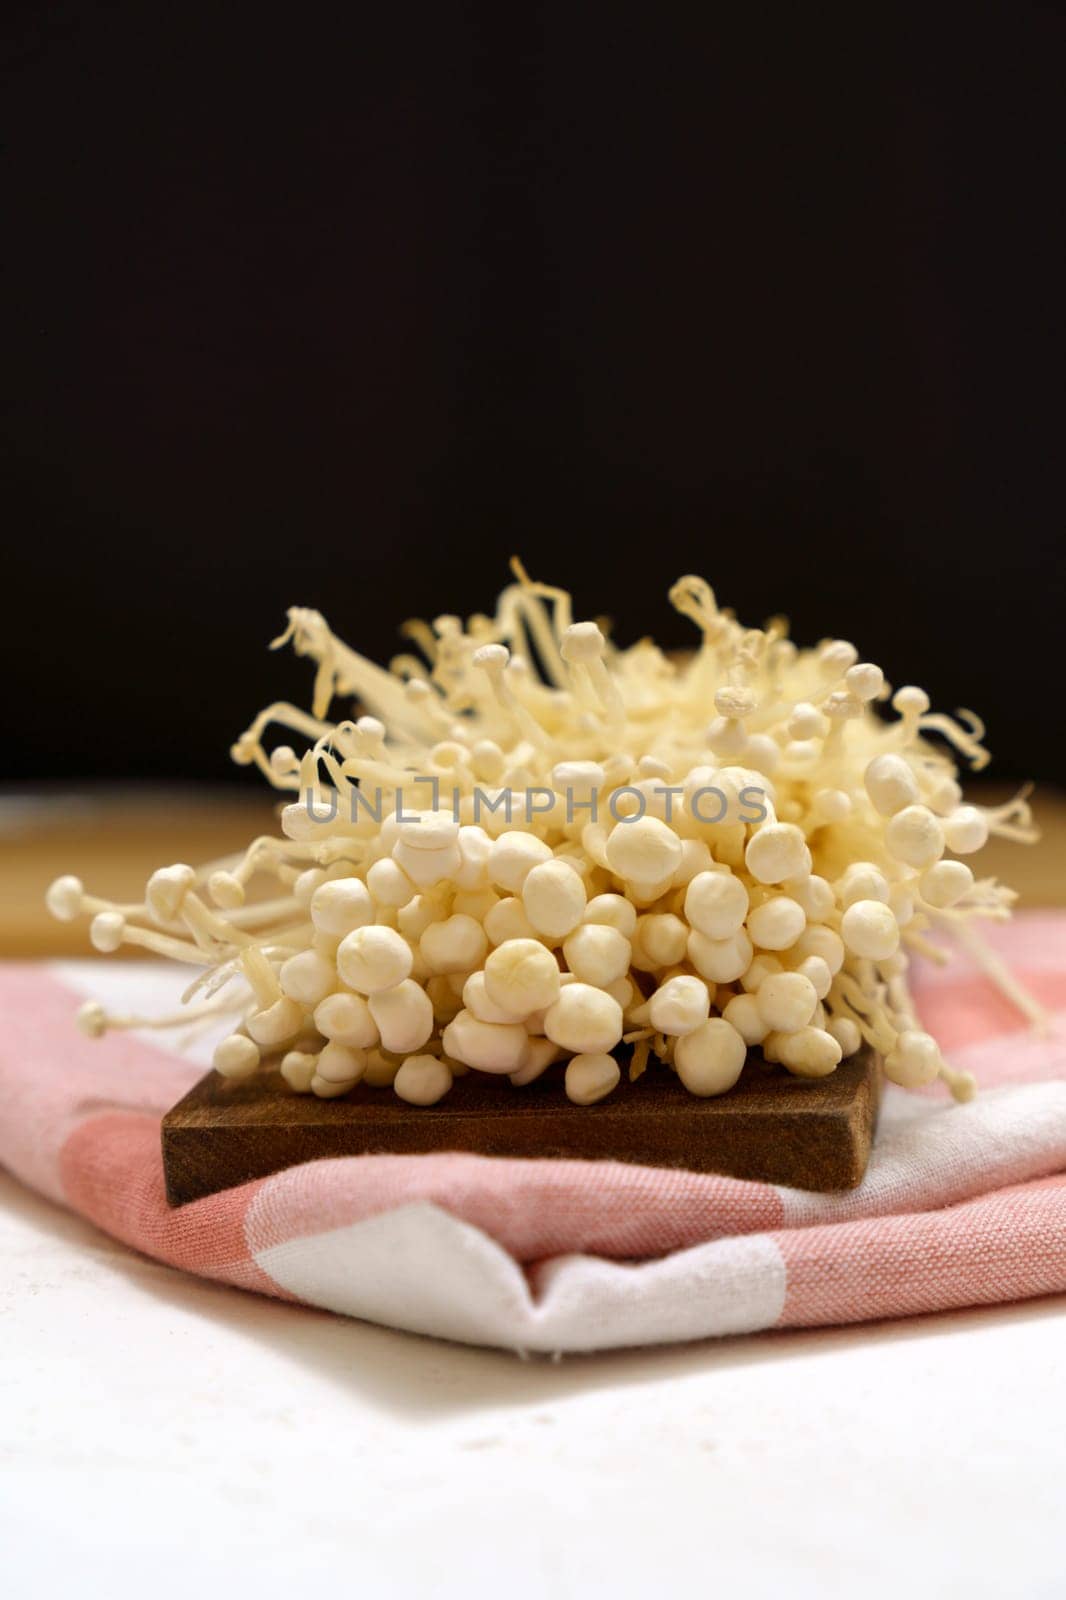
{"points": [[961, 1205]]}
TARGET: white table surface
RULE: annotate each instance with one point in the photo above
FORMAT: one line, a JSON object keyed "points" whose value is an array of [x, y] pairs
{"points": [[161, 1434]]}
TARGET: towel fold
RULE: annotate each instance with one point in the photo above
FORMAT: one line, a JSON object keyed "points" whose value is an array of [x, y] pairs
{"points": [[961, 1205]]}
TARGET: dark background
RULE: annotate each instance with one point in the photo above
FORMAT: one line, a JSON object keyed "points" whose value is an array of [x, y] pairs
{"points": [[344, 308]]}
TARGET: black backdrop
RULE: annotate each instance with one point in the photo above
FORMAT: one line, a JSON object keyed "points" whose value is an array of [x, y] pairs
{"points": [[343, 308]]}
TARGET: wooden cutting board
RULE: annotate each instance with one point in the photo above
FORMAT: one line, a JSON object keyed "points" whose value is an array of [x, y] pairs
{"points": [[806, 1133]]}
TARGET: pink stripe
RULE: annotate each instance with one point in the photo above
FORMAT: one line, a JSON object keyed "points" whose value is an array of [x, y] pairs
{"points": [[1007, 1245], [972, 1009], [112, 1172], [1026, 1058], [532, 1208], [52, 1078], [1033, 941]]}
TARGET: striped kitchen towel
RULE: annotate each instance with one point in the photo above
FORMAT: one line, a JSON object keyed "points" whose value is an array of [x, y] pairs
{"points": [[961, 1205]]}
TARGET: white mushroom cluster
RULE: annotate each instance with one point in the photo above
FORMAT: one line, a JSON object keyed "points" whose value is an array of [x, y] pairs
{"points": [[532, 847]]}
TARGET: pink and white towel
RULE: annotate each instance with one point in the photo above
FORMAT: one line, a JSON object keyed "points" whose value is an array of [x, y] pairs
{"points": [[961, 1205]]}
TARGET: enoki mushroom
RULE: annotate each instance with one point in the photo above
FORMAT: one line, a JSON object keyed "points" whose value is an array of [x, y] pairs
{"points": [[528, 847]]}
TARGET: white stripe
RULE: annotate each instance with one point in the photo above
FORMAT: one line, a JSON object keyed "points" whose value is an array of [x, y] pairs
{"points": [[145, 989], [952, 1153], [421, 1269]]}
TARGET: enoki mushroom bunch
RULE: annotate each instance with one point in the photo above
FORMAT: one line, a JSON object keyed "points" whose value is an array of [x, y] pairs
{"points": [[532, 847]]}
